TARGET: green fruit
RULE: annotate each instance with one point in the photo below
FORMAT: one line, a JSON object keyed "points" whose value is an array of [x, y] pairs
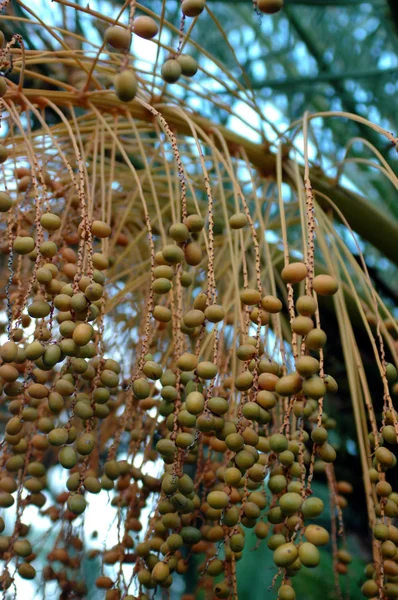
{"points": [[5, 199], [290, 503], [171, 71], [77, 504], [312, 507], [285, 554], [309, 555]]}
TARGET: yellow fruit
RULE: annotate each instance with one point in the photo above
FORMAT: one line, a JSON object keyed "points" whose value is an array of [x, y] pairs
{"points": [[100, 229], [325, 285]]}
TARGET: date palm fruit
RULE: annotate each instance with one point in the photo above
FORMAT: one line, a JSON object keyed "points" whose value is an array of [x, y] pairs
{"points": [[126, 86], [100, 229], [285, 554], [23, 245], [306, 305], [50, 221], [192, 8], [271, 304], [294, 272], [317, 535], [188, 64], [171, 70], [5, 201], [286, 592], [325, 285], [269, 7], [238, 221], [250, 296], [118, 37], [145, 27], [309, 555]]}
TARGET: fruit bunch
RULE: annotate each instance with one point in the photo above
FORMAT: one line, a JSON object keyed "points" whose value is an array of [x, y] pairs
{"points": [[157, 348]]}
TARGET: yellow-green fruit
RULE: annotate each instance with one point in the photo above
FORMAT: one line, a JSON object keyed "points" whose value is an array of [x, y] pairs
{"points": [[145, 27], [100, 229], [238, 221], [214, 313], [194, 318], [85, 443], [162, 314], [315, 339], [161, 285], [309, 555], [307, 366], [370, 588], [302, 325], [160, 572], [286, 592], [317, 535], [314, 387], [285, 554], [50, 221], [48, 249], [172, 254], [250, 296], [118, 37], [187, 362], [237, 542], [271, 304], [294, 272], [319, 435], [290, 503], [9, 351], [77, 504], [192, 8], [58, 436], [179, 232], [288, 385], [193, 254], [5, 201], [188, 64], [269, 7], [306, 305], [82, 334], [23, 245], [312, 507], [171, 70], [244, 381], [218, 499], [195, 223], [325, 285], [126, 85], [195, 402], [206, 370], [67, 457]]}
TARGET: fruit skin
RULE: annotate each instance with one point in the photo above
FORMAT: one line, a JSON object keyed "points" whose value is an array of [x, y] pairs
{"points": [[5, 202], [285, 554], [188, 64], [325, 285], [192, 8], [118, 37], [269, 7], [294, 272], [171, 70], [309, 555], [145, 27], [126, 85]]}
